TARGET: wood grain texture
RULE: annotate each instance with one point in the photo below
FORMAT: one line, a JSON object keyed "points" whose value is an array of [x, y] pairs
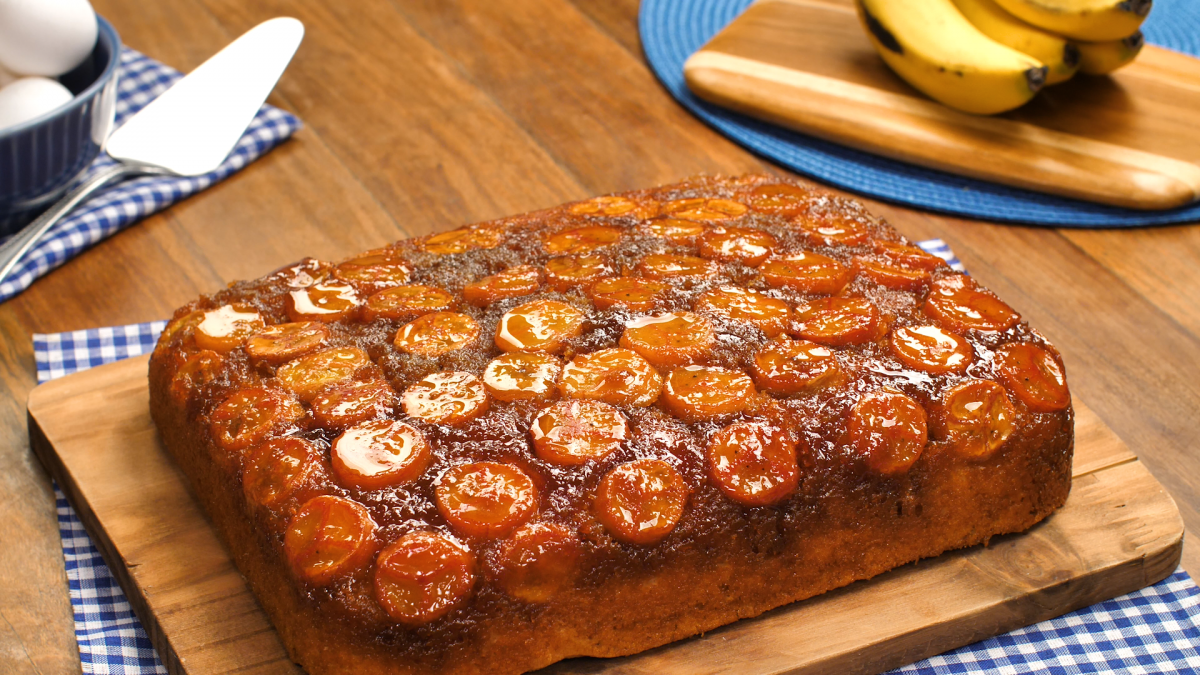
{"points": [[1125, 140], [501, 51], [1122, 306], [617, 18], [407, 120], [32, 577], [1118, 531]]}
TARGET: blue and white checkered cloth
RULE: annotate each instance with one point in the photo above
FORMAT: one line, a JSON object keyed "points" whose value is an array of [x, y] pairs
{"points": [[1154, 630], [140, 80]]}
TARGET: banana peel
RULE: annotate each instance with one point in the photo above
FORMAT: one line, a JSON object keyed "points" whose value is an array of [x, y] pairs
{"points": [[1086, 20], [1059, 55], [932, 46]]}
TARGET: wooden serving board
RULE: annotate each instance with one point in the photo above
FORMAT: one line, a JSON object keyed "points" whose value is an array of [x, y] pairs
{"points": [[1118, 532], [1129, 139]]}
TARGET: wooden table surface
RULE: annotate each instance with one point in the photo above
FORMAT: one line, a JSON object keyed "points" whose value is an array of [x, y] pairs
{"points": [[422, 115]]}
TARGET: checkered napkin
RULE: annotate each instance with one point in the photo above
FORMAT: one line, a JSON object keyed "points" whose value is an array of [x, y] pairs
{"points": [[1154, 630], [140, 80]]}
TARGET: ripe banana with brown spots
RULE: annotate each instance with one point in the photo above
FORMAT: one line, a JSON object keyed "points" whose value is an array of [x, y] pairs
{"points": [[936, 49], [1087, 20], [1056, 52], [1101, 58]]}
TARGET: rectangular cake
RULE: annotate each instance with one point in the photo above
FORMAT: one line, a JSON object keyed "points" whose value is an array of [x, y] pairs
{"points": [[602, 427]]}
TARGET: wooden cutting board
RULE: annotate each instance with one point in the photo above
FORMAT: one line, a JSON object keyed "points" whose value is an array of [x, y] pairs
{"points": [[1129, 139], [1118, 532]]}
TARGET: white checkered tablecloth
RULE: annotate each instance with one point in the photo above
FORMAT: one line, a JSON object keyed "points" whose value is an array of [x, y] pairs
{"points": [[139, 80], [1154, 630]]}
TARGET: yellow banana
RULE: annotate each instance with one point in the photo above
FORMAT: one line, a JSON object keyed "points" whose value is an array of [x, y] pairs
{"points": [[1089, 20], [931, 45], [1101, 58], [1060, 56]]}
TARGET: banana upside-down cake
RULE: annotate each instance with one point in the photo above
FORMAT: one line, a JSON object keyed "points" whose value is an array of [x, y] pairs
{"points": [[602, 427]]}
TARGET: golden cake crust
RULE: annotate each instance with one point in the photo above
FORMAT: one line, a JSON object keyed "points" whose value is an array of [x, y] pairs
{"points": [[895, 410]]}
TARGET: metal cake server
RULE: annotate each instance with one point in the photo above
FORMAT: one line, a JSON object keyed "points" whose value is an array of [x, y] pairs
{"points": [[190, 129]]}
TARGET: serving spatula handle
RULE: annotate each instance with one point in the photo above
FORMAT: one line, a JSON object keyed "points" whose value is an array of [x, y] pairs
{"points": [[12, 250]]}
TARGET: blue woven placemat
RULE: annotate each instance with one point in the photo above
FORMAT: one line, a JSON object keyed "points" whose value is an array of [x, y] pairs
{"points": [[140, 79], [1154, 630], [672, 30]]}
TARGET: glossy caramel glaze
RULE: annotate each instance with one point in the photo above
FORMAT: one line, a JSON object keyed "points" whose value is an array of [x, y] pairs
{"points": [[840, 489]]}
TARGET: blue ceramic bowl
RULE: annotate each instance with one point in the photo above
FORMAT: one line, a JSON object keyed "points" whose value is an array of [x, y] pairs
{"points": [[42, 157]]}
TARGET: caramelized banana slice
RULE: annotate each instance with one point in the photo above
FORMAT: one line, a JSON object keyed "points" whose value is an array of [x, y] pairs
{"points": [[539, 562], [247, 417], [808, 272], [511, 283], [888, 430], [753, 463], [329, 538], [960, 304], [184, 327], [437, 334], [787, 367], [582, 239], [891, 275], [198, 370], [286, 341], [614, 376], [670, 265], [345, 404], [770, 315], [704, 209], [675, 230], [304, 273], [280, 469], [374, 271], [932, 349], [573, 271], [577, 432], [670, 340], [306, 377], [738, 244], [486, 499], [446, 398], [519, 375], [227, 327], [911, 257], [616, 206], [632, 293], [837, 321], [829, 229], [379, 454], [326, 302], [538, 326], [422, 577], [1034, 376], [463, 239], [976, 418], [780, 199], [695, 393], [407, 302], [640, 502]]}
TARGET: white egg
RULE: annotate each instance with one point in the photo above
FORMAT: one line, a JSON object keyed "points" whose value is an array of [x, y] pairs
{"points": [[30, 97], [45, 37]]}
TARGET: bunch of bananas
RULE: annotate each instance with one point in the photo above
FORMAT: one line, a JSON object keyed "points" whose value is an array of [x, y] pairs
{"points": [[988, 56]]}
